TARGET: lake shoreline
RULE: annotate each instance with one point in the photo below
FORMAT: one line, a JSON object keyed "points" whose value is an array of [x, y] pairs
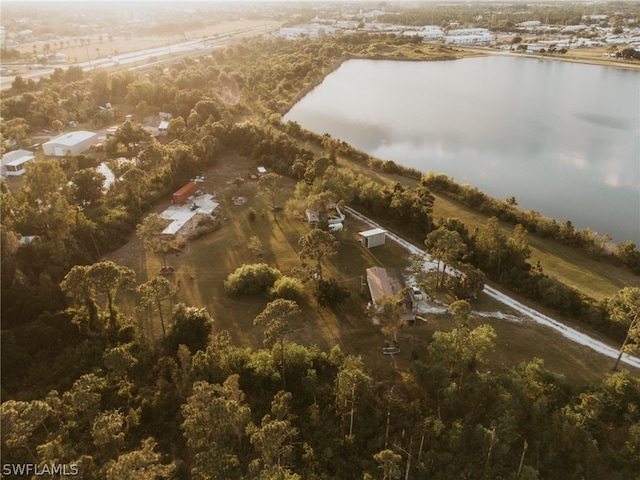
{"points": [[371, 135], [584, 61]]}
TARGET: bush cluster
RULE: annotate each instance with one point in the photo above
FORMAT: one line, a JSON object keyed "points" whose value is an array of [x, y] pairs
{"points": [[250, 279]]}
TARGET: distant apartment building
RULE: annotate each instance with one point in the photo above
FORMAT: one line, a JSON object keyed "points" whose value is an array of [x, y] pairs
{"points": [[469, 36], [529, 24], [428, 32]]}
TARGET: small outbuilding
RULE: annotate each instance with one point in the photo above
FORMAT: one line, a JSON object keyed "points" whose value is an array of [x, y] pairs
{"points": [[373, 238], [334, 215], [163, 127], [73, 142], [313, 216], [13, 163], [181, 196]]}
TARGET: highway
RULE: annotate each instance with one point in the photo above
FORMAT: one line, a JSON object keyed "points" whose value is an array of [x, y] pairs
{"points": [[144, 58]]}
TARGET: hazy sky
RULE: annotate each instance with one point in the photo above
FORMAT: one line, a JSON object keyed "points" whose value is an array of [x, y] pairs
{"points": [[257, 1]]}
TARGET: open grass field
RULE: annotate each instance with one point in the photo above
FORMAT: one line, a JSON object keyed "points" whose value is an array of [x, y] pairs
{"points": [[595, 278], [101, 46], [203, 264], [574, 268]]}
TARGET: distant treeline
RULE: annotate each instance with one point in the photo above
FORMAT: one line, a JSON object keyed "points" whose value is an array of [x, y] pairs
{"points": [[510, 15]]}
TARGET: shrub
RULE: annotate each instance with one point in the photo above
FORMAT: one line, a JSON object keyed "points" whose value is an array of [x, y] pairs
{"points": [[191, 327], [330, 293], [251, 279], [288, 288], [238, 181], [389, 166], [255, 246], [252, 214]]}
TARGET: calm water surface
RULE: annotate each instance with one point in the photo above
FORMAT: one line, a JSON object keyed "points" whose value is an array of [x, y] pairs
{"points": [[563, 138]]}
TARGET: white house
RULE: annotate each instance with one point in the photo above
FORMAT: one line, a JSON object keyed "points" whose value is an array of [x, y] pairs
{"points": [[573, 28], [13, 163], [184, 217], [374, 237], [313, 216], [56, 58], [74, 142]]}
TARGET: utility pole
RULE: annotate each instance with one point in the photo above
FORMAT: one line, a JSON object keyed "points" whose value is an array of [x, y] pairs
{"points": [[86, 47]]}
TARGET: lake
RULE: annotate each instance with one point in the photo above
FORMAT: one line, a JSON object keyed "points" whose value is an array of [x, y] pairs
{"points": [[563, 138]]}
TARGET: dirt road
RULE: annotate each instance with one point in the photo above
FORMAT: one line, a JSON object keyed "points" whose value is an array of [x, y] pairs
{"points": [[526, 312]]}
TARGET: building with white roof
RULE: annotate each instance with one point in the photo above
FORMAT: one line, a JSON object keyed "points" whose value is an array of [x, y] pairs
{"points": [[373, 238], [13, 163], [72, 142], [183, 216], [428, 32], [469, 36], [529, 24]]}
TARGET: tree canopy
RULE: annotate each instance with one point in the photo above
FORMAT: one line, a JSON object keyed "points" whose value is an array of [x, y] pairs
{"points": [[85, 384]]}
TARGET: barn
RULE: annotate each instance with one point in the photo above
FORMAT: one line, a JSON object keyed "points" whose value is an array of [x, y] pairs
{"points": [[73, 142]]}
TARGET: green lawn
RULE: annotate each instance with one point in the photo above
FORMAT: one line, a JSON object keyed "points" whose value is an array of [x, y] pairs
{"points": [[572, 267], [595, 278], [202, 266]]}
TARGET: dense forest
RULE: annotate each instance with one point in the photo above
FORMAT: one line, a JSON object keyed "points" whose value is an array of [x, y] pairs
{"points": [[82, 384]]}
